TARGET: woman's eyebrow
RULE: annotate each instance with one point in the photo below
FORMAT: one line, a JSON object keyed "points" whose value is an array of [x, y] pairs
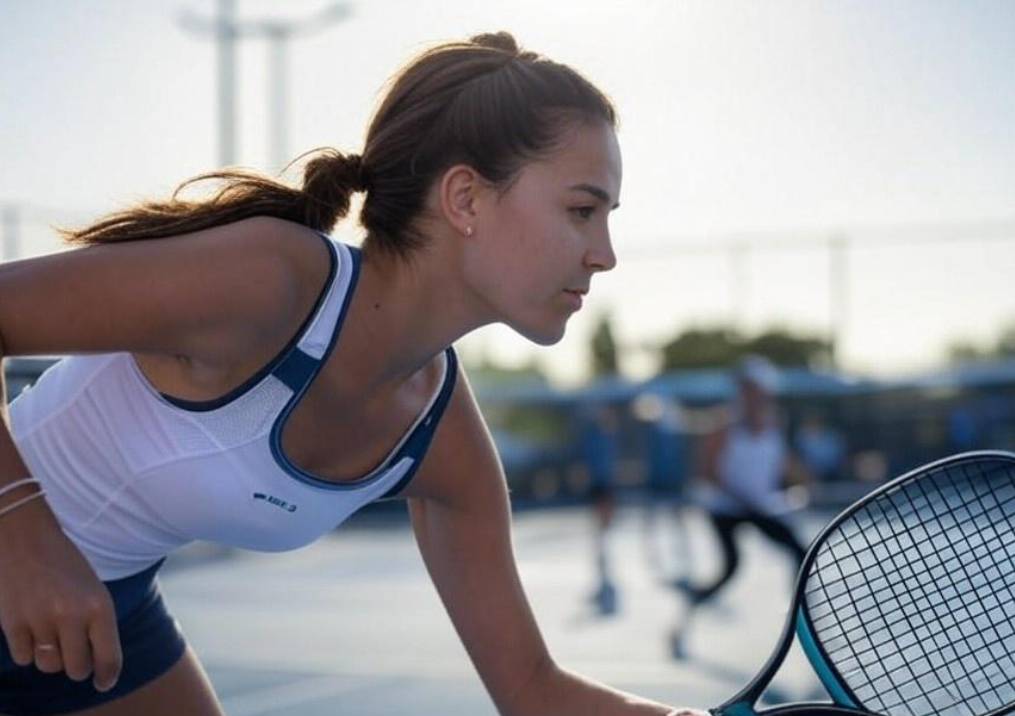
{"points": [[597, 192]]}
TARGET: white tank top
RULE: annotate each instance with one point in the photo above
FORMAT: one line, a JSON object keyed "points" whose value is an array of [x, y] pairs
{"points": [[132, 474], [750, 467]]}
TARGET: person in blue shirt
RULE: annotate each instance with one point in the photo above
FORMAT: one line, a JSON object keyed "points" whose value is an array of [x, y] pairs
{"points": [[598, 444]]}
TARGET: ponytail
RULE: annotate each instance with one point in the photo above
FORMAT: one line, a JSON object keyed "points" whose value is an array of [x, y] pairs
{"points": [[329, 180]]}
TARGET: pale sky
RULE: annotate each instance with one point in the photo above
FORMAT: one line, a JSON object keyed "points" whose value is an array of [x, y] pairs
{"points": [[775, 124]]}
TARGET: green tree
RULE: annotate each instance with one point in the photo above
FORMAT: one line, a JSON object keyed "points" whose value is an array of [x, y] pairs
{"points": [[962, 351], [722, 347], [485, 371], [1006, 341], [702, 348], [604, 349], [788, 349]]}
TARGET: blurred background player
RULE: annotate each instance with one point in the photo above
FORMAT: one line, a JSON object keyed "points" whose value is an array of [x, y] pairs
{"points": [[744, 463], [665, 532], [598, 443]]}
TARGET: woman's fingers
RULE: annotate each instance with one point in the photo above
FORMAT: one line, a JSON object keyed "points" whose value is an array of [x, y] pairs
{"points": [[54, 611], [76, 653], [107, 659], [81, 641], [46, 654], [20, 644]]}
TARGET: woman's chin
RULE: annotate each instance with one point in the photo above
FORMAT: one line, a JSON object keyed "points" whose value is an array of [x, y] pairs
{"points": [[541, 335]]}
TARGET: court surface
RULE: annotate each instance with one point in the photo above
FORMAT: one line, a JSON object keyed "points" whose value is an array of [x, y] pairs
{"points": [[352, 626]]}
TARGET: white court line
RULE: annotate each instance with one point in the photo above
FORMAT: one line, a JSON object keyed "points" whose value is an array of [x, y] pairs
{"points": [[275, 698]]}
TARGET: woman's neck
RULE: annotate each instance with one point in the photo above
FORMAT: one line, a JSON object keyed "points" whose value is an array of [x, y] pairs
{"points": [[403, 312]]}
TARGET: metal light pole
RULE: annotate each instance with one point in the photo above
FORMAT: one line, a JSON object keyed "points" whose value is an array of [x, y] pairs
{"points": [[279, 33], [838, 293], [225, 33], [739, 284], [278, 67], [223, 30], [10, 237], [226, 30]]}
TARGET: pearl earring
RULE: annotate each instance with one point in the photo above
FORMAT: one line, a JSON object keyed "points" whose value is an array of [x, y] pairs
{"points": [[468, 231]]}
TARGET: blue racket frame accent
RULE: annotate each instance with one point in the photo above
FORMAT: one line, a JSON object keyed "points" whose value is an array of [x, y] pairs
{"points": [[816, 656], [844, 702]]}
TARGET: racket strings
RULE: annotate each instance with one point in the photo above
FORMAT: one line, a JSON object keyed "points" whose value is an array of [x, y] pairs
{"points": [[834, 591], [865, 589], [959, 685], [957, 512], [953, 688], [959, 682], [933, 630], [878, 640], [997, 590], [912, 597], [887, 673], [882, 551]]}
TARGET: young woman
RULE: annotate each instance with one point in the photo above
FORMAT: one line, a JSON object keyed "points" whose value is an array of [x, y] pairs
{"points": [[747, 461], [744, 461], [236, 375]]}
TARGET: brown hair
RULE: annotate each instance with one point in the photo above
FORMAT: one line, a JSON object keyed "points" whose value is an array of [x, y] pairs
{"points": [[482, 102]]}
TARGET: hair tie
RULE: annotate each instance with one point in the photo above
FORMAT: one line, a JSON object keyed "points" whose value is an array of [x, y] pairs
{"points": [[359, 179]]}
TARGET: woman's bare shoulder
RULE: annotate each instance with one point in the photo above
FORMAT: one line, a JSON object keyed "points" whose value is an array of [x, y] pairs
{"points": [[195, 294]]}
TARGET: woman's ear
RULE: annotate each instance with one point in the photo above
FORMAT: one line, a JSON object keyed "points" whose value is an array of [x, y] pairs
{"points": [[459, 192]]}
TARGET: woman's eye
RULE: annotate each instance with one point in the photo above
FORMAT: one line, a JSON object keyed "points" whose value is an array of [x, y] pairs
{"points": [[584, 212]]}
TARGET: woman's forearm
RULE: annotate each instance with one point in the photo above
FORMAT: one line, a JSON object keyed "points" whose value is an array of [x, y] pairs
{"points": [[559, 692], [12, 468]]}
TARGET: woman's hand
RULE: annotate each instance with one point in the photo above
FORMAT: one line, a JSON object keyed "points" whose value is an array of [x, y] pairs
{"points": [[54, 611]]}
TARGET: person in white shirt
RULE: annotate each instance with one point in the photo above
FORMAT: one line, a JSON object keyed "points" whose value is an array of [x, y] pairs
{"points": [[744, 463]]}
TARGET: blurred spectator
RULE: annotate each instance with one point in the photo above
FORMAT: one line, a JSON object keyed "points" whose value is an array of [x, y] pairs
{"points": [[821, 448], [666, 451], [598, 443], [963, 428], [665, 479]]}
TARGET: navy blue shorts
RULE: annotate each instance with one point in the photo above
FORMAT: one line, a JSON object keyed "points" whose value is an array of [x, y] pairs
{"points": [[151, 644]]}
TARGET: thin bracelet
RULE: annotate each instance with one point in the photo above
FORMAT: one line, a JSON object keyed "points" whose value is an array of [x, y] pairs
{"points": [[16, 484], [18, 503]]}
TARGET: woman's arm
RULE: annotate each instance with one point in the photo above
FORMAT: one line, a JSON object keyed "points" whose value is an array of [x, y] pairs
{"points": [[461, 517], [211, 296], [204, 298]]}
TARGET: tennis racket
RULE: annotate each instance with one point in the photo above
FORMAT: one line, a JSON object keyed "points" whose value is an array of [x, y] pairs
{"points": [[905, 603]]}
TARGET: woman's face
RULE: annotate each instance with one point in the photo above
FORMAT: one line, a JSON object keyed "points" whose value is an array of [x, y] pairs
{"points": [[538, 244]]}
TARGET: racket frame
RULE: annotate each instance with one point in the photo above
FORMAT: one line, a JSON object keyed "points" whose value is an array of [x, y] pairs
{"points": [[798, 623]]}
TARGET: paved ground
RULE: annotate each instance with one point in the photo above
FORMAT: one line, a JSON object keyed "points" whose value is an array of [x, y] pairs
{"points": [[351, 625]]}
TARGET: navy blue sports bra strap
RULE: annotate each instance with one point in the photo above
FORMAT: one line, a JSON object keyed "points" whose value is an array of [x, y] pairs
{"points": [[296, 370], [276, 364], [418, 443]]}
